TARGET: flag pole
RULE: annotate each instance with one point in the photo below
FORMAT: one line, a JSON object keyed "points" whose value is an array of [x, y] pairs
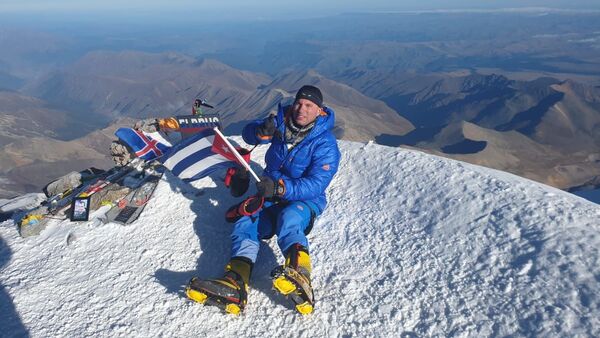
{"points": [[236, 154]]}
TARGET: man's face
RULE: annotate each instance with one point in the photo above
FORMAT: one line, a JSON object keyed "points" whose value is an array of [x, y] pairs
{"points": [[305, 112]]}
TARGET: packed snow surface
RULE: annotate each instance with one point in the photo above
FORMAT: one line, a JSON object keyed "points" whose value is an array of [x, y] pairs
{"points": [[410, 245], [22, 202]]}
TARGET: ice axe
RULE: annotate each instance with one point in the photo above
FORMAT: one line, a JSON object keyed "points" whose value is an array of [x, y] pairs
{"points": [[200, 102]]}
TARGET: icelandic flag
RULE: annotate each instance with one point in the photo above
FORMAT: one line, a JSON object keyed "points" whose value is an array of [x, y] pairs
{"points": [[198, 156], [147, 146]]}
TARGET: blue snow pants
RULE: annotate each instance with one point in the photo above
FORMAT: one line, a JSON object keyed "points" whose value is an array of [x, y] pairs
{"points": [[289, 221]]}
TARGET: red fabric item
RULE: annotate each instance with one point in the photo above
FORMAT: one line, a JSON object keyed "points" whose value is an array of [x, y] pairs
{"points": [[248, 207], [228, 175]]}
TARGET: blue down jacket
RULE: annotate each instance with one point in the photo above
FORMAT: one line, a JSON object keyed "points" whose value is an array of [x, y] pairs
{"points": [[307, 169]]}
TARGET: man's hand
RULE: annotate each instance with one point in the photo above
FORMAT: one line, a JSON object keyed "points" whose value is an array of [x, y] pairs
{"points": [[267, 129], [266, 187]]}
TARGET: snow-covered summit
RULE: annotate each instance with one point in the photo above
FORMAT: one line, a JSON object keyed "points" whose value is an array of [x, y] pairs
{"points": [[410, 245]]}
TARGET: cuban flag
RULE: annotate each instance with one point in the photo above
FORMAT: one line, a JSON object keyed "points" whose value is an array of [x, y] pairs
{"points": [[198, 156], [147, 146]]}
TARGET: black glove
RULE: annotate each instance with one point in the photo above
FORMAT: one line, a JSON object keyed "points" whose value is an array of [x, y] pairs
{"points": [[267, 129], [266, 187], [238, 180]]}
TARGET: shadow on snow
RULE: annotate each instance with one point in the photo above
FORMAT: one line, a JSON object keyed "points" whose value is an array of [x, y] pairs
{"points": [[10, 321], [209, 204]]}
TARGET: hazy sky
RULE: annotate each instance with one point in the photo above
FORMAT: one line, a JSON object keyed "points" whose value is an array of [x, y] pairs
{"points": [[39, 12], [268, 6]]}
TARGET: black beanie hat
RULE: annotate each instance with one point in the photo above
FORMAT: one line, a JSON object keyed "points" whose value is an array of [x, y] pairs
{"points": [[310, 93]]}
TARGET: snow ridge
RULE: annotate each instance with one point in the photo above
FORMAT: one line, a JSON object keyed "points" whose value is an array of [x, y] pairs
{"points": [[410, 245]]}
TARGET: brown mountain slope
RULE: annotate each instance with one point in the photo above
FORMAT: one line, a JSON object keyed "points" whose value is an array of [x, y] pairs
{"points": [[27, 164], [23, 116], [516, 153], [143, 85], [573, 123], [139, 85], [545, 129]]}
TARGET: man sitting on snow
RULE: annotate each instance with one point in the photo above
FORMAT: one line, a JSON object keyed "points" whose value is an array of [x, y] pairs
{"points": [[300, 163]]}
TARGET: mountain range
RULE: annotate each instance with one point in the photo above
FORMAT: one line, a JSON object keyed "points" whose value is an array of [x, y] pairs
{"points": [[104, 87], [142, 85], [544, 129], [521, 97]]}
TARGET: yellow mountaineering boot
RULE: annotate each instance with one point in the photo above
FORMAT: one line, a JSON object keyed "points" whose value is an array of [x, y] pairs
{"points": [[293, 279], [229, 292]]}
